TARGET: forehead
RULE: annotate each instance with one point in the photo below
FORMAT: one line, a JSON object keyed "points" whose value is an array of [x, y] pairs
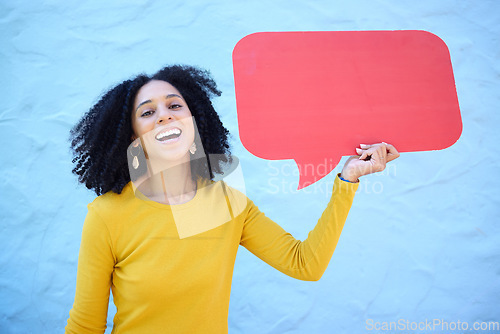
{"points": [[155, 89]]}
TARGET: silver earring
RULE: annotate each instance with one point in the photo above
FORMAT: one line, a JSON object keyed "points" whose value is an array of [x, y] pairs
{"points": [[192, 149]]}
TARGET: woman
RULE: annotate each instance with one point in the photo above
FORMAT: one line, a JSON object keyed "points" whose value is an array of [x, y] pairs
{"points": [[165, 244]]}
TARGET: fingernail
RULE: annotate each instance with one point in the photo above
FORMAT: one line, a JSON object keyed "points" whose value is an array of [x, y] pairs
{"points": [[363, 145], [358, 150]]}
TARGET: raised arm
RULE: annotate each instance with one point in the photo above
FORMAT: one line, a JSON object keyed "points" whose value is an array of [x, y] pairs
{"points": [[308, 259]]}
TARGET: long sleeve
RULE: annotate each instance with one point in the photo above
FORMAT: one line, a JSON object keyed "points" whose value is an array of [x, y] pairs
{"points": [[308, 259], [95, 267]]}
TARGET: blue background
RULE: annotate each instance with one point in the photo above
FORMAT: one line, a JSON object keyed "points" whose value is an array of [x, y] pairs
{"points": [[421, 241]]}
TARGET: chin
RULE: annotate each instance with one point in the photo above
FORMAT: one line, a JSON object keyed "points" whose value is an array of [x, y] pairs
{"points": [[165, 160]]}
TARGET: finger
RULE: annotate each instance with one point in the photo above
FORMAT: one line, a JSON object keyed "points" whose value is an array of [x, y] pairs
{"points": [[378, 159], [382, 148], [392, 153], [378, 152], [370, 154], [387, 151], [365, 155], [368, 146]]}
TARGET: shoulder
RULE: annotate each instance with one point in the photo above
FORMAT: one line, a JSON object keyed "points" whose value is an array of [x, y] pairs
{"points": [[112, 203], [235, 198]]}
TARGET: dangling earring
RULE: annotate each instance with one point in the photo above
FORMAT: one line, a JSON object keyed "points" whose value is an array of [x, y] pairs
{"points": [[192, 149], [135, 160]]}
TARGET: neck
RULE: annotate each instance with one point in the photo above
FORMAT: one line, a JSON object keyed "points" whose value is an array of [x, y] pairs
{"points": [[171, 186]]}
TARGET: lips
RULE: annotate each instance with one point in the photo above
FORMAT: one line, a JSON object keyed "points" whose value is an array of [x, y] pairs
{"points": [[168, 134]]}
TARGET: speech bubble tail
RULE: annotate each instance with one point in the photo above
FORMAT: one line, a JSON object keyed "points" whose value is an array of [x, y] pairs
{"points": [[314, 170]]}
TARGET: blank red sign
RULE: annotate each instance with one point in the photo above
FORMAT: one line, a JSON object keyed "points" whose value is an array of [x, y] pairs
{"points": [[315, 96]]}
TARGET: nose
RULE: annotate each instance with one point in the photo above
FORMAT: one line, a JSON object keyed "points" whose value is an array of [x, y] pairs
{"points": [[164, 116]]}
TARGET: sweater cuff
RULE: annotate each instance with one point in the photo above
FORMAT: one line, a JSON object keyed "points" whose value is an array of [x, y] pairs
{"points": [[340, 177], [344, 186]]}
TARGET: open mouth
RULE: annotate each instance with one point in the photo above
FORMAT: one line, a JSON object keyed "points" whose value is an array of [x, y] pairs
{"points": [[170, 134]]}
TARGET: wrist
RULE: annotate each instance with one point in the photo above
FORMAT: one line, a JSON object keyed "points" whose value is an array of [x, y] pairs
{"points": [[348, 177]]}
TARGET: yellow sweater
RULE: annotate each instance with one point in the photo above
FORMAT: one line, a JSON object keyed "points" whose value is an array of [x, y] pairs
{"points": [[172, 274]]}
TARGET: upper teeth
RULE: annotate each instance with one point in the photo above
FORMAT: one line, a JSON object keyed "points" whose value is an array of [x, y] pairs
{"points": [[168, 133]]}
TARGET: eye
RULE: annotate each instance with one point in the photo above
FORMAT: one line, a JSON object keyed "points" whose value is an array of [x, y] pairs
{"points": [[147, 113], [175, 106]]}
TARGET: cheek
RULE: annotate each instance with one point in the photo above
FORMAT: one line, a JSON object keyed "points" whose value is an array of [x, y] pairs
{"points": [[141, 126], [190, 129]]}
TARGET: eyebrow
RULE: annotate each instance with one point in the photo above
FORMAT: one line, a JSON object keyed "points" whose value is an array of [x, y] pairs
{"points": [[169, 96]]}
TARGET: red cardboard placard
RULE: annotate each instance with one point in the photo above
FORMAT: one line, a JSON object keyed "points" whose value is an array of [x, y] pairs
{"points": [[315, 96]]}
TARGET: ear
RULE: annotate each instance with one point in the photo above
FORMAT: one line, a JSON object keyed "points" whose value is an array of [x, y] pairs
{"points": [[136, 144]]}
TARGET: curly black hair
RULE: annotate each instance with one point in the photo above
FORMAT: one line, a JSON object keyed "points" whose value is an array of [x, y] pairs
{"points": [[99, 141]]}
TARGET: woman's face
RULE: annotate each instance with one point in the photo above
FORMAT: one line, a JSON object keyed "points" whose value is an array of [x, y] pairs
{"points": [[163, 121]]}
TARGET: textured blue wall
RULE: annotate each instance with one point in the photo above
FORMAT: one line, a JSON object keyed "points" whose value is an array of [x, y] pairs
{"points": [[421, 241]]}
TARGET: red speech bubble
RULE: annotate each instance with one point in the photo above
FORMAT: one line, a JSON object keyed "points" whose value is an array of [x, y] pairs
{"points": [[315, 96]]}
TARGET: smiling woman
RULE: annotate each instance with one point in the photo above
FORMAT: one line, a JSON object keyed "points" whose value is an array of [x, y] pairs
{"points": [[100, 155], [162, 113], [164, 236]]}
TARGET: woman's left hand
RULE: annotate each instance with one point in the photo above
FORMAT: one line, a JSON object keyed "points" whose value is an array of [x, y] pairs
{"points": [[370, 159]]}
